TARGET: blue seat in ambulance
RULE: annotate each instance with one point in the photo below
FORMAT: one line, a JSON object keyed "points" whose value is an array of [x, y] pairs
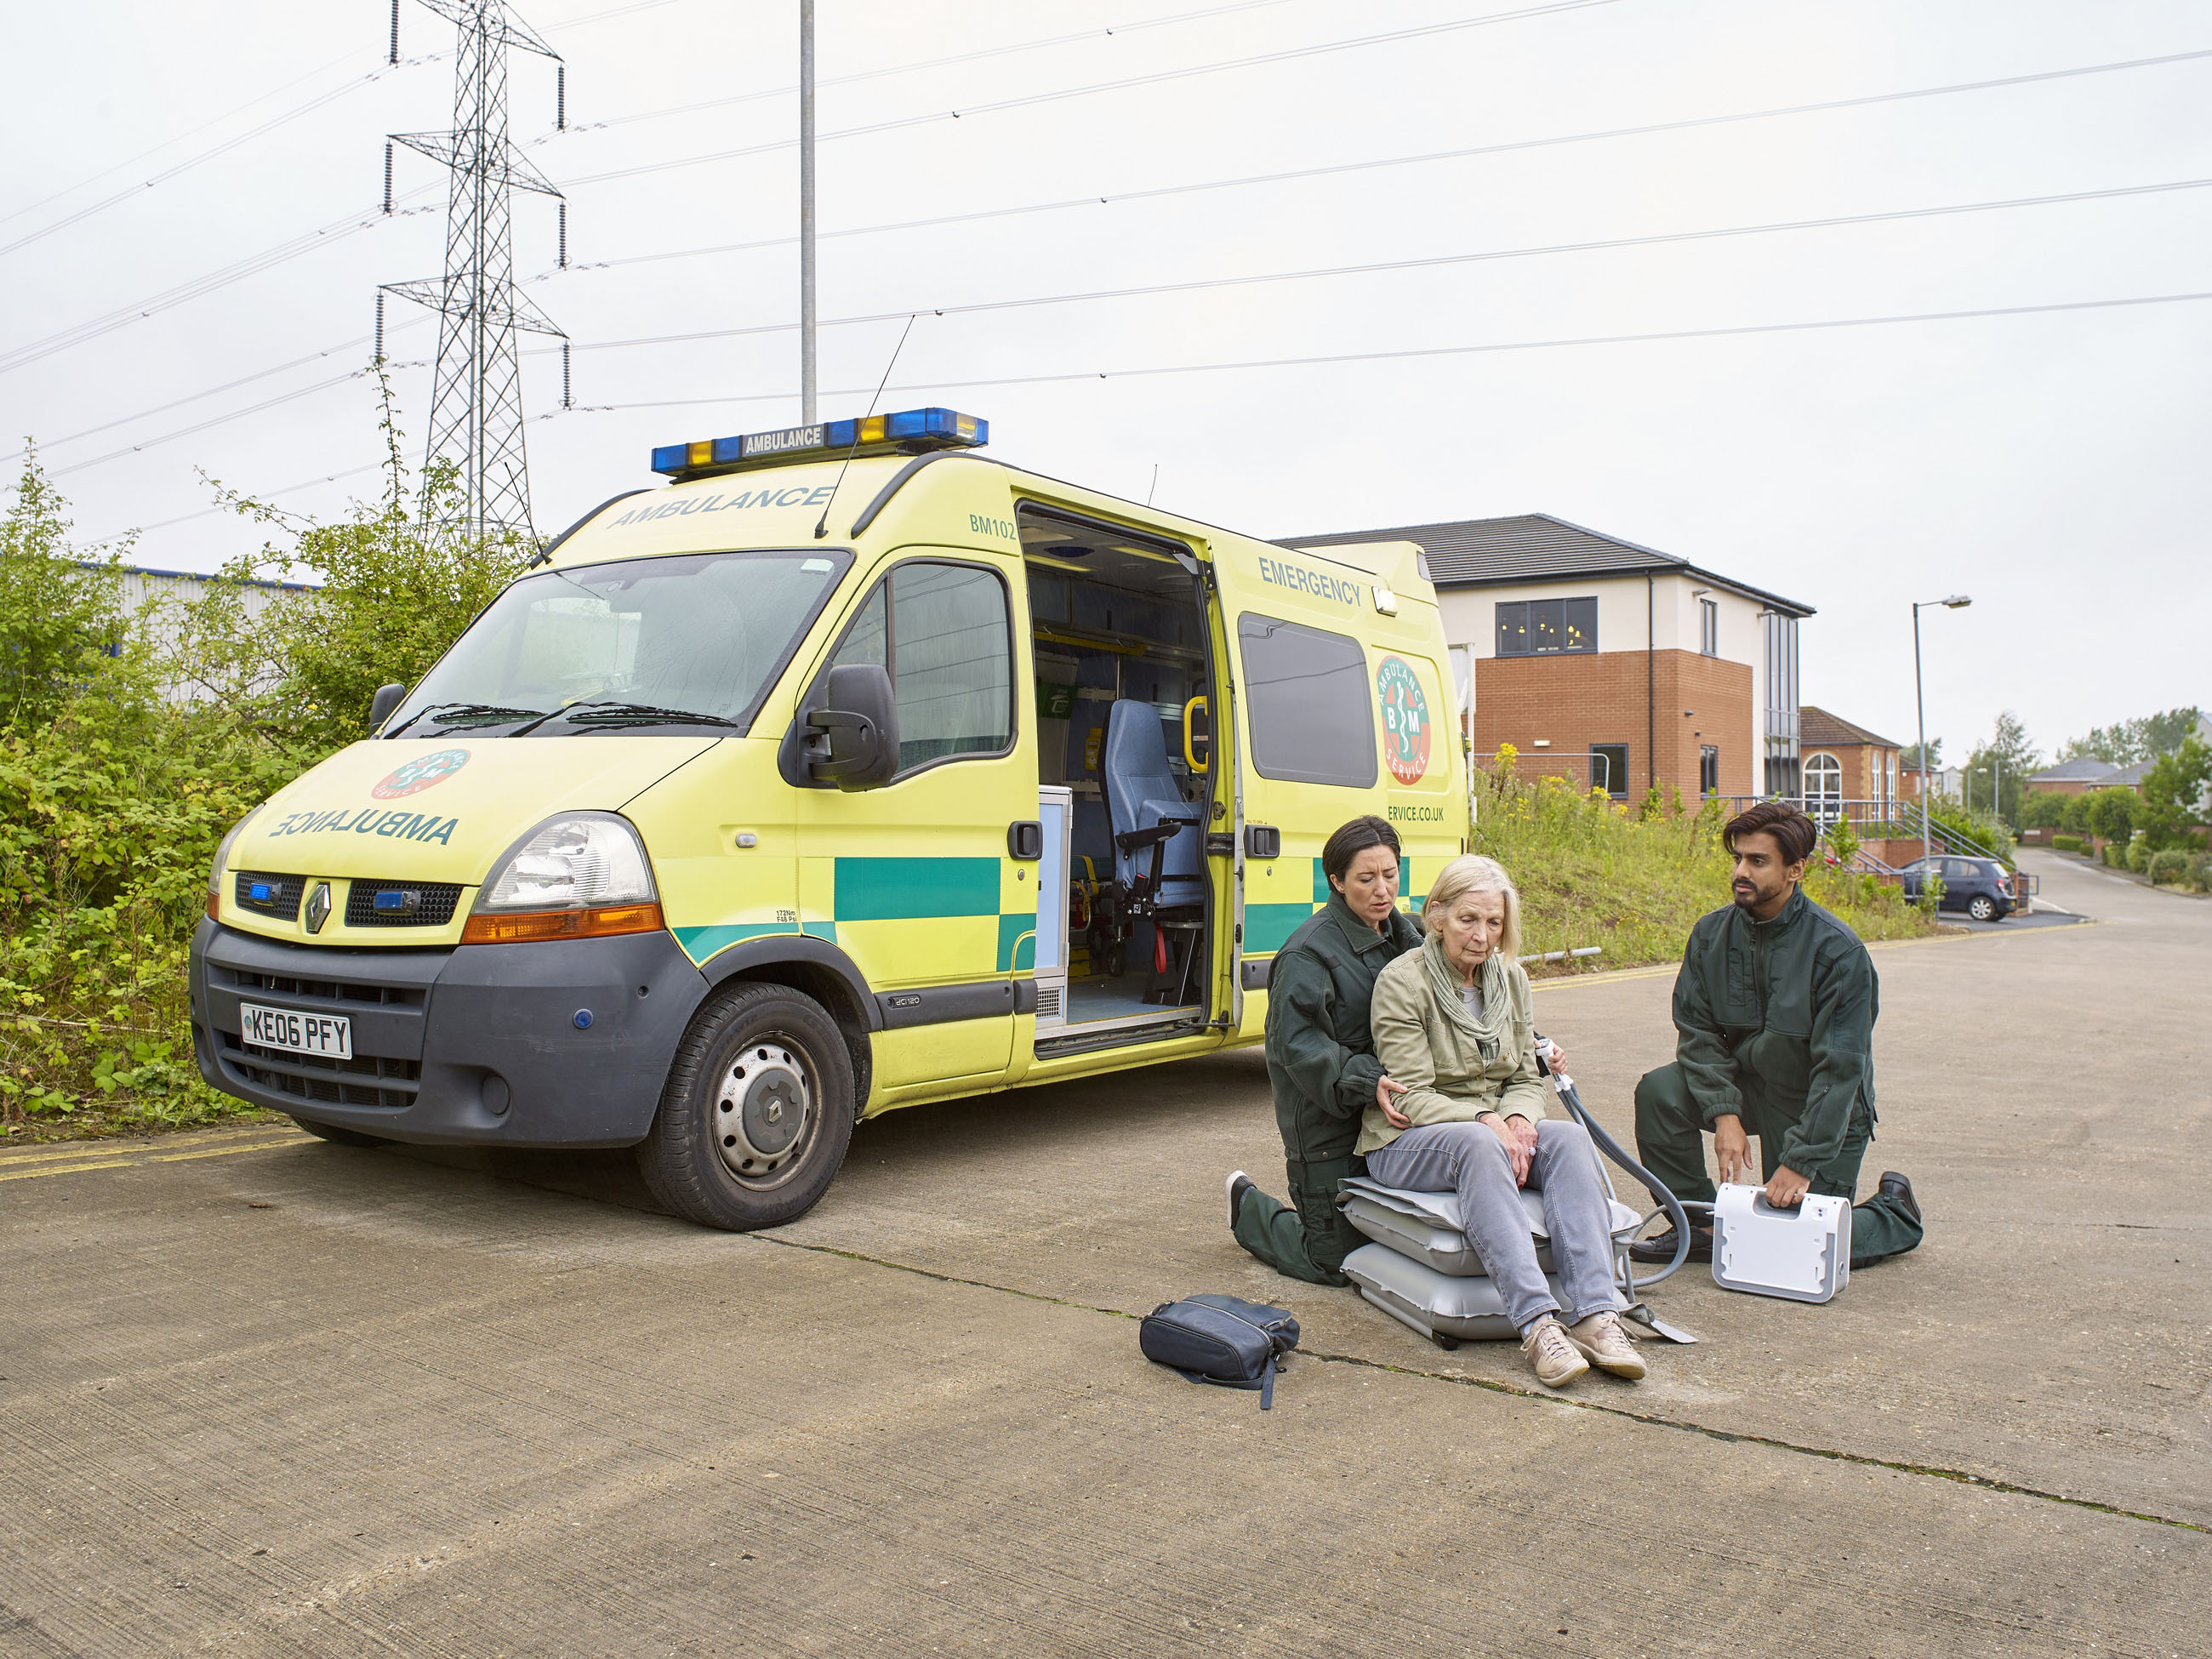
{"points": [[1143, 801]]}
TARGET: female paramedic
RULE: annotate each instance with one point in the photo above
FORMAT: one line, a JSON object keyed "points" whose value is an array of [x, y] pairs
{"points": [[1320, 1059], [1453, 1024]]}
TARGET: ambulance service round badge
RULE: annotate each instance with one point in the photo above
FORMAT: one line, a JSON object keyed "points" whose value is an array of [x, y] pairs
{"points": [[1405, 720], [424, 771]]}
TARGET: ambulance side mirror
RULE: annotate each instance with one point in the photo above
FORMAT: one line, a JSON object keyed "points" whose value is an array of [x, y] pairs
{"points": [[387, 698], [853, 742]]}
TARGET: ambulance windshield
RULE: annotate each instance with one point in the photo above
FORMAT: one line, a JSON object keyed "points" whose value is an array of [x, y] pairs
{"points": [[691, 642]]}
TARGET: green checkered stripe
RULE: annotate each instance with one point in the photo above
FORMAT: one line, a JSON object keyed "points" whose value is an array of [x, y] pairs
{"points": [[895, 889], [1269, 928]]}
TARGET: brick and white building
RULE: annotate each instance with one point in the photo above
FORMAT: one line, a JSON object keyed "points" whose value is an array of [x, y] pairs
{"points": [[1611, 663]]}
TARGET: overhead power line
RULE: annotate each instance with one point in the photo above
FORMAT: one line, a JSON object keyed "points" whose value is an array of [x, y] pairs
{"points": [[1896, 216], [1297, 174], [220, 420], [336, 231], [1428, 262], [326, 353], [299, 246], [190, 132], [1287, 55], [926, 63], [1327, 359], [209, 155], [259, 495]]}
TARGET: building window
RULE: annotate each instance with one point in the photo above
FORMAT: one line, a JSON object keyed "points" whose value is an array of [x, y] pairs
{"points": [[1779, 635], [1824, 788], [1609, 769], [1709, 771], [1546, 628], [1312, 709], [1709, 628]]}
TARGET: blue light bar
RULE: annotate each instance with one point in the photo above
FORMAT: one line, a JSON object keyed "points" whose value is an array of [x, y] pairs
{"points": [[912, 432]]}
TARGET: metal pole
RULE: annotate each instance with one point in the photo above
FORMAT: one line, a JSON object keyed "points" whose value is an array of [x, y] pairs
{"points": [[806, 362], [1920, 709]]}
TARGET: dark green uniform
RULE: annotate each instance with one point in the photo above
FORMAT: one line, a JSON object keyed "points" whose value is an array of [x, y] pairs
{"points": [[1321, 1065], [1777, 1026]]}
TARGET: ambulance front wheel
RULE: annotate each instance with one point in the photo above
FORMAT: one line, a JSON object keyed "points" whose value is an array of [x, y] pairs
{"points": [[756, 1113]]}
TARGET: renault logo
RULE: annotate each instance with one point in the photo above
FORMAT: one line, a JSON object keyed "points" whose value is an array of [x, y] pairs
{"points": [[319, 907]]}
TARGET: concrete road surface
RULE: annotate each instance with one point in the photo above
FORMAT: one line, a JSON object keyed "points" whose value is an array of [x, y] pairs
{"points": [[259, 1395]]}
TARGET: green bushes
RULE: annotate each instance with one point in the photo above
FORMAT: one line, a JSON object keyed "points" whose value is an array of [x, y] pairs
{"points": [[2137, 856], [2168, 868], [130, 743], [2066, 843], [2197, 872], [1589, 873]]}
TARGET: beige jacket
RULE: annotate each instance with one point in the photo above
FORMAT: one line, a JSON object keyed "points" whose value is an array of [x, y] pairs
{"points": [[1446, 1079]]}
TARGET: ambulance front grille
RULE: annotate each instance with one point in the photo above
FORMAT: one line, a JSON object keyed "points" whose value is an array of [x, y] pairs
{"points": [[267, 894], [292, 985], [407, 903], [333, 1082]]}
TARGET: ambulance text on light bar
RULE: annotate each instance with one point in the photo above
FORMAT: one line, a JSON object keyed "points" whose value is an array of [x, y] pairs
{"points": [[912, 431]]}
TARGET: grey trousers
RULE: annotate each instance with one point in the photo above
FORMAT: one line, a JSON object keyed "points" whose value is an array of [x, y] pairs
{"points": [[1468, 1159]]}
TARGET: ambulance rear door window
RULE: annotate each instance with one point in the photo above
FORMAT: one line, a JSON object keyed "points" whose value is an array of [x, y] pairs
{"points": [[1312, 710]]}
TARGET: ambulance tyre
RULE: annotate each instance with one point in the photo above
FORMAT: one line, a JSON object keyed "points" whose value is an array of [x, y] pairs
{"points": [[756, 1113], [338, 1137]]}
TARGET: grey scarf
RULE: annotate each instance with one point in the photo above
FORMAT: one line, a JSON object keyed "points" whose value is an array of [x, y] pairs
{"points": [[1489, 1031]]}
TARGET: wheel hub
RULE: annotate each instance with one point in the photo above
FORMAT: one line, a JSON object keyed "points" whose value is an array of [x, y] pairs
{"points": [[761, 1111]]}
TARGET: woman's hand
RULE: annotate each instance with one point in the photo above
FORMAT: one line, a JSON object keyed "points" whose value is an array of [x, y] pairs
{"points": [[1519, 1136], [1385, 1089]]}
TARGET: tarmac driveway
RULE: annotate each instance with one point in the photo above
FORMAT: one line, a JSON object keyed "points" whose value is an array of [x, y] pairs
{"points": [[261, 1395]]}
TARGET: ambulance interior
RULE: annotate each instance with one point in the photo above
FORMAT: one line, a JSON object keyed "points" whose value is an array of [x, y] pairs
{"points": [[1120, 637]]}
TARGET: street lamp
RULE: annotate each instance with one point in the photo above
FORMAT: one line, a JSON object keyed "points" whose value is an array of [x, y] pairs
{"points": [[1956, 602]]}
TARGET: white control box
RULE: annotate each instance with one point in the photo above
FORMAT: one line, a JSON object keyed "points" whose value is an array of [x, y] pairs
{"points": [[1803, 1254]]}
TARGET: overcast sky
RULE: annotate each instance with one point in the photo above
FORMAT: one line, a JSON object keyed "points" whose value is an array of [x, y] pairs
{"points": [[2050, 463]]}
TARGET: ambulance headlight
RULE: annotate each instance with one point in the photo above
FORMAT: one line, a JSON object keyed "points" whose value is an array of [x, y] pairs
{"points": [[222, 863], [578, 861]]}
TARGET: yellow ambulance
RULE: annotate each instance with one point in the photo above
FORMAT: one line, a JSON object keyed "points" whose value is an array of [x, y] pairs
{"points": [[850, 770]]}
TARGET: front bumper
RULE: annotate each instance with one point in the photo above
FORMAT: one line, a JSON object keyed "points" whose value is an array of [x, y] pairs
{"points": [[476, 1045]]}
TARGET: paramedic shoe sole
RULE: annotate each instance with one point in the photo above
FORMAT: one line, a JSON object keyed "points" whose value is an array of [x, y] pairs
{"points": [[1661, 1249], [1553, 1353], [1895, 1185], [1607, 1346], [1239, 1184]]}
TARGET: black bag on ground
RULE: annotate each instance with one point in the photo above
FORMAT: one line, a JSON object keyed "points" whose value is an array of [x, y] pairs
{"points": [[1220, 1340]]}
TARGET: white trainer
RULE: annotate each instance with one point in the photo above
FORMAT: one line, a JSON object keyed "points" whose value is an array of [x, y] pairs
{"points": [[1557, 1360], [1607, 1346]]}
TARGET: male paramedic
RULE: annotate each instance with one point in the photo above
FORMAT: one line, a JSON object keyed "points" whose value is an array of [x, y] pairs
{"points": [[1775, 1008]]}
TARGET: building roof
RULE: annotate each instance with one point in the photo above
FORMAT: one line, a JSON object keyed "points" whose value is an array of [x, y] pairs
{"points": [[2130, 776], [2088, 770], [1818, 729], [1534, 547]]}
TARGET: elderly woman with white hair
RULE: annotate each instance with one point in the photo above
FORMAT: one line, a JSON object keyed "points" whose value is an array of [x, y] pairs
{"points": [[1452, 1021]]}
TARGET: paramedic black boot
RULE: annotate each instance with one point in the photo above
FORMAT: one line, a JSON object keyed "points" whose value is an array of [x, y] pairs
{"points": [[1896, 1187], [1239, 1184], [1661, 1249]]}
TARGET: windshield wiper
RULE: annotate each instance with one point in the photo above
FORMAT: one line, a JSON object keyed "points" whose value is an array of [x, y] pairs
{"points": [[465, 714], [609, 713], [596, 714]]}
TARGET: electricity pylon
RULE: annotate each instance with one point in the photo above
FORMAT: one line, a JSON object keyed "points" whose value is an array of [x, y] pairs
{"points": [[475, 411]]}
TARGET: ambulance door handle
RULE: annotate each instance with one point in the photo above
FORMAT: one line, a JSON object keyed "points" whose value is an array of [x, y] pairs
{"points": [[1025, 839]]}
